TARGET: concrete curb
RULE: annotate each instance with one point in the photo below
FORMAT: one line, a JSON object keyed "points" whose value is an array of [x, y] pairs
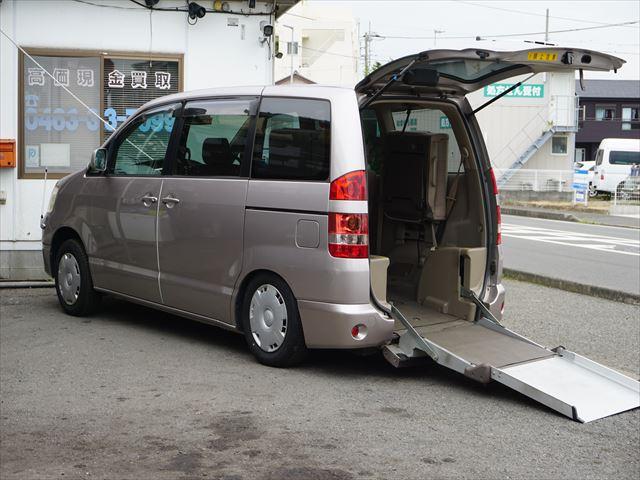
{"points": [[574, 287], [26, 284], [567, 217]]}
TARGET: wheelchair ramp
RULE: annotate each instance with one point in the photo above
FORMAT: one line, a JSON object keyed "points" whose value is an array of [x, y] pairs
{"points": [[572, 385], [487, 351]]}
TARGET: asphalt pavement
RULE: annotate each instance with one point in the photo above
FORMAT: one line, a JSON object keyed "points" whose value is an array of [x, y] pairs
{"points": [[596, 255], [139, 394]]}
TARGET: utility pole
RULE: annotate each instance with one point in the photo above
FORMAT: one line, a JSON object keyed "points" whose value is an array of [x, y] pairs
{"points": [[367, 39], [546, 28], [435, 36], [292, 48]]}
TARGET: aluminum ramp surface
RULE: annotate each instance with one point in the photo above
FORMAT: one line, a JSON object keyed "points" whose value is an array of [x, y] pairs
{"points": [[487, 351]]}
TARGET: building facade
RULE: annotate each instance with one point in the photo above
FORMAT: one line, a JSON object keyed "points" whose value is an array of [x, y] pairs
{"points": [[327, 45], [112, 56], [608, 109]]}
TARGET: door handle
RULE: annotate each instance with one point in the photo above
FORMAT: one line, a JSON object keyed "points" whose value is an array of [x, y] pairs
{"points": [[170, 201], [149, 200]]}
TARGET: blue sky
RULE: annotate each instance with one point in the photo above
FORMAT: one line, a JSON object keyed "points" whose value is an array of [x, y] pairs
{"points": [[461, 18]]}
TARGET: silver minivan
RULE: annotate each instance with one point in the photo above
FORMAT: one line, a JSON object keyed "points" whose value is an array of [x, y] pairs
{"points": [[312, 217]]}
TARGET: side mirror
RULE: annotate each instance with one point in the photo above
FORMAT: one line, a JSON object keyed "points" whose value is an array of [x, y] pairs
{"points": [[98, 162]]}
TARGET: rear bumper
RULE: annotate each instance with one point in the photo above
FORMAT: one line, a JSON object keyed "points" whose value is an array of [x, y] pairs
{"points": [[328, 325]]}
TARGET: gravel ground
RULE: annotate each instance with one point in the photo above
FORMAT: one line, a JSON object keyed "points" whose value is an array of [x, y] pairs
{"points": [[135, 393]]}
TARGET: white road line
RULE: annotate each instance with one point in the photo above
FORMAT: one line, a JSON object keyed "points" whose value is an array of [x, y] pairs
{"points": [[623, 246]]}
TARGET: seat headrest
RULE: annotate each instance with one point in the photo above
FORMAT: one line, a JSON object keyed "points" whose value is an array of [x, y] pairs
{"points": [[407, 142], [216, 151]]}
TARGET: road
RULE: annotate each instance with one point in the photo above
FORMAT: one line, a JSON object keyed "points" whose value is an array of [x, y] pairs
{"points": [[135, 393], [590, 254]]}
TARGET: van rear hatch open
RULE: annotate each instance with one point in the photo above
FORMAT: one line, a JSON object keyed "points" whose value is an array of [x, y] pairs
{"points": [[465, 71], [452, 325]]}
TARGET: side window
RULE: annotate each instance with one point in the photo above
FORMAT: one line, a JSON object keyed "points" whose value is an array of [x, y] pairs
{"points": [[293, 139], [213, 139], [143, 146]]}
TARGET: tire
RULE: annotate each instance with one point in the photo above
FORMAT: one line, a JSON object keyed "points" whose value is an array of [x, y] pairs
{"points": [[74, 285], [271, 322]]}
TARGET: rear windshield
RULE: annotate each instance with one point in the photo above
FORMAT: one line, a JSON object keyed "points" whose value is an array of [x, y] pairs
{"points": [[468, 70], [623, 158], [292, 140]]}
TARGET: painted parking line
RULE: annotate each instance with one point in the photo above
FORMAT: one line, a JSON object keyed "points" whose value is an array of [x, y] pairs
{"points": [[623, 246]]}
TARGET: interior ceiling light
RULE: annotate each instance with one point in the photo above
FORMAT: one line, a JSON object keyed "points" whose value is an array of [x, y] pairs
{"points": [[196, 11]]}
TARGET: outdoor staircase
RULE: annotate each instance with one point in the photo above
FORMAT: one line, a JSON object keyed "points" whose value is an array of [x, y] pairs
{"points": [[526, 155]]}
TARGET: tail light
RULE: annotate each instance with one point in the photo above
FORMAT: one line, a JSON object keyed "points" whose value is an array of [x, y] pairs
{"points": [[499, 222], [351, 186], [349, 235], [349, 232], [494, 183]]}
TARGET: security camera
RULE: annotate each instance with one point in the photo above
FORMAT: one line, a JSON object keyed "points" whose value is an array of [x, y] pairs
{"points": [[279, 55], [267, 30]]}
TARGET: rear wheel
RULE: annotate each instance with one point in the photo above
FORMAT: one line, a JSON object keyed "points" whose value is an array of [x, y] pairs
{"points": [[271, 322], [74, 285]]}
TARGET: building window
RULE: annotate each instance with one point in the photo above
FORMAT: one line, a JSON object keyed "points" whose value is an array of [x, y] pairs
{"points": [[55, 131], [630, 119], [605, 112], [129, 83], [559, 145]]}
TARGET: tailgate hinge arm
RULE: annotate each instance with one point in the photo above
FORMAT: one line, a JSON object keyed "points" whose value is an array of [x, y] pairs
{"points": [[471, 295], [418, 341]]}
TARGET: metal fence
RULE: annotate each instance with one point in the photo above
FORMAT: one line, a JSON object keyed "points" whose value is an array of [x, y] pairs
{"points": [[535, 180], [628, 191]]}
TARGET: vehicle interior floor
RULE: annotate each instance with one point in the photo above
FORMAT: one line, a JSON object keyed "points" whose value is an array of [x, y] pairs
{"points": [[466, 339]]}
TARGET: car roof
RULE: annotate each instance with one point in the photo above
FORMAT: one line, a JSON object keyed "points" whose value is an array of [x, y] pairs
{"points": [[296, 90], [633, 143]]}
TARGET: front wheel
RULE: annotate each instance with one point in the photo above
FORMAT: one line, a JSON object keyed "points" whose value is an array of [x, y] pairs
{"points": [[74, 285], [271, 322]]}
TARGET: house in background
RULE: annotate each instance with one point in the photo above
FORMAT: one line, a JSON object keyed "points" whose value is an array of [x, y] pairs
{"points": [[608, 109], [297, 80], [325, 44]]}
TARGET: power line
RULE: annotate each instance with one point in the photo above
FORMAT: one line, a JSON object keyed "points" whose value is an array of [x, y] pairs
{"points": [[504, 35], [522, 12]]}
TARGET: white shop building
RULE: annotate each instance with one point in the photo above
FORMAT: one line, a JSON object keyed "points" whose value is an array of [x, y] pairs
{"points": [[114, 55]]}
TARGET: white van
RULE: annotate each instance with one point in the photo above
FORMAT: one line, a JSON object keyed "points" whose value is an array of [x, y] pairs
{"points": [[613, 163]]}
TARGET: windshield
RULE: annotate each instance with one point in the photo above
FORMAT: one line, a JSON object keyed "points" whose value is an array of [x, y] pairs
{"points": [[624, 158]]}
